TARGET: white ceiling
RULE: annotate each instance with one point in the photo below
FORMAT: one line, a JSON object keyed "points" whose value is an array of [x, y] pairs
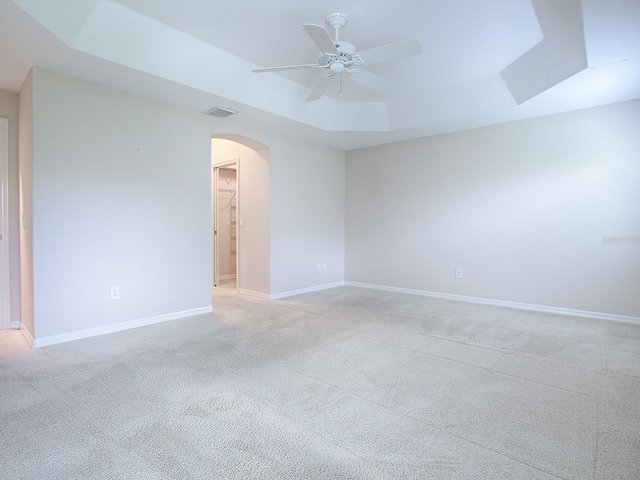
{"points": [[484, 61]]}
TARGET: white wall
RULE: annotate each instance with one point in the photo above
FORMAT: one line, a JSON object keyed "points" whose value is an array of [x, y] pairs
{"points": [[121, 192], [5, 321], [522, 208], [9, 110], [307, 215], [26, 204], [121, 197]]}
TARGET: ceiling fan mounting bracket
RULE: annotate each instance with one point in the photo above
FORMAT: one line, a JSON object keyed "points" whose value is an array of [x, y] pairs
{"points": [[336, 20]]}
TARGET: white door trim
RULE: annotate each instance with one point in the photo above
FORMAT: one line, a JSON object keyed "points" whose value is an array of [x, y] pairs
{"points": [[215, 177], [214, 220], [5, 311]]}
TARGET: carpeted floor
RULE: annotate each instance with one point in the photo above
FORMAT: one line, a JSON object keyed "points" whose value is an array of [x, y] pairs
{"points": [[343, 383]]}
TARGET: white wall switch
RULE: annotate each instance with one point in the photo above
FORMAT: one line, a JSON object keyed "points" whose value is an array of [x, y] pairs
{"points": [[324, 266], [242, 223], [115, 293], [458, 273], [319, 267]]}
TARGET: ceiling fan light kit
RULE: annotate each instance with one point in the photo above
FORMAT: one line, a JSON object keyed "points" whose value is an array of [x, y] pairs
{"points": [[339, 56]]}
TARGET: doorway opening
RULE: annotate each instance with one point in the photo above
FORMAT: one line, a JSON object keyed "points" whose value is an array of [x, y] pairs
{"points": [[225, 198], [252, 215]]}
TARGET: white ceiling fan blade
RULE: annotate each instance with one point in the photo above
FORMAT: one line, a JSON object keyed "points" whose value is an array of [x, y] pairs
{"points": [[321, 38], [288, 67], [320, 87], [373, 81], [392, 51]]}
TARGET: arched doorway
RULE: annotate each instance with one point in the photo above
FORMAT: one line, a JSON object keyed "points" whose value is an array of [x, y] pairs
{"points": [[240, 213]]}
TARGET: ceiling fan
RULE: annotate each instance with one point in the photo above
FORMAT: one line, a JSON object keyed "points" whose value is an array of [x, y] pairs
{"points": [[339, 57]]}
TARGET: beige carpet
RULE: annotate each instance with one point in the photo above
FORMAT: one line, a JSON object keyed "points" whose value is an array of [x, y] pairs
{"points": [[344, 383]]}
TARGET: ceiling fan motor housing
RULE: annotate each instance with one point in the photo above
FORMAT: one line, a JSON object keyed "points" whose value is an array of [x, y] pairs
{"points": [[345, 56]]}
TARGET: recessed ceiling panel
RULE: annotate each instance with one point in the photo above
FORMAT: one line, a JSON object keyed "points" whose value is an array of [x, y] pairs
{"points": [[560, 55]]}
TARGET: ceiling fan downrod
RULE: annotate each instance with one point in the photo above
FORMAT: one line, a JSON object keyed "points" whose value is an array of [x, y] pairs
{"points": [[336, 20]]}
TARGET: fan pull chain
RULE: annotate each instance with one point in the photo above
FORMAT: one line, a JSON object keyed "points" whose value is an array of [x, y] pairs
{"points": [[340, 83]]}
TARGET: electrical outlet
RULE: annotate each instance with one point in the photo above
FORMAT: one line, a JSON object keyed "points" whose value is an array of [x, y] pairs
{"points": [[115, 293], [458, 273], [324, 266]]}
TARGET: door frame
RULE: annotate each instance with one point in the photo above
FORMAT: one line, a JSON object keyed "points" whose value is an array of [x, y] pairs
{"points": [[5, 311], [215, 257]]}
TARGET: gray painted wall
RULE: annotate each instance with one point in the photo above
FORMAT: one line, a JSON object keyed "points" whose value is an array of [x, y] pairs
{"points": [[121, 197], [521, 207]]}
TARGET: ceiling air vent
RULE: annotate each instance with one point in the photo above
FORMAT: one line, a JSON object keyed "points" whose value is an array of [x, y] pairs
{"points": [[220, 112]]}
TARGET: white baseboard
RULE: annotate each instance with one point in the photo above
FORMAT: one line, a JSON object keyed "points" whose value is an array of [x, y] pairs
{"points": [[227, 277], [251, 293], [291, 293], [14, 325], [504, 303], [277, 296], [26, 334], [116, 327]]}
